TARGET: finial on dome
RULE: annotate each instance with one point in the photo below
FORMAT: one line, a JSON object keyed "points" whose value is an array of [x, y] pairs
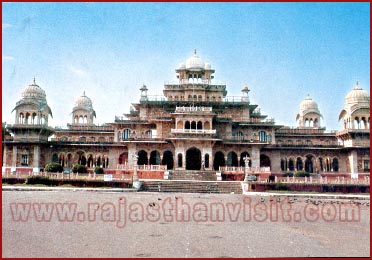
{"points": [[34, 81], [84, 93]]}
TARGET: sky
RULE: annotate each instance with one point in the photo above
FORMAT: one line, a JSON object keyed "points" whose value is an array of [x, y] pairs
{"points": [[282, 51]]}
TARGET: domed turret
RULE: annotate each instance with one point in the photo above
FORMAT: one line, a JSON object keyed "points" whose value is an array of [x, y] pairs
{"points": [[357, 96], [355, 113], [194, 62], [33, 91], [309, 114], [83, 111], [33, 107], [84, 102]]}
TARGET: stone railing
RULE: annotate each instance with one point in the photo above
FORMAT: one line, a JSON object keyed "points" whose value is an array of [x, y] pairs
{"points": [[129, 167], [242, 169]]}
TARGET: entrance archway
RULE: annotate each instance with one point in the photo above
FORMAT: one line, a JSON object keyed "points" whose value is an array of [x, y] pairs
{"points": [[155, 158], [264, 161], [193, 159], [142, 158], [168, 159], [232, 159], [219, 160]]}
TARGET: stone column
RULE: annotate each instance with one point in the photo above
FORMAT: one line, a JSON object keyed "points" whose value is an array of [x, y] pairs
{"points": [[36, 159], [5, 161], [353, 160], [14, 157], [255, 157], [135, 176]]}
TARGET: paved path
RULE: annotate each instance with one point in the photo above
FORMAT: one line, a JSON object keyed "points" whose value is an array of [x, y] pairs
{"points": [[162, 233]]}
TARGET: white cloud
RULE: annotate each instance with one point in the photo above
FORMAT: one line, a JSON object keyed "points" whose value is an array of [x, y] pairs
{"points": [[78, 72], [7, 25], [7, 58]]}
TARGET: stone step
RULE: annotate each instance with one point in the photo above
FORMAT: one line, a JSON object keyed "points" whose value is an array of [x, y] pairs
{"points": [[193, 175], [192, 187]]}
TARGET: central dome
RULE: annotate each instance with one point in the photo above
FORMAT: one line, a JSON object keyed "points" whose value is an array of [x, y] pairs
{"points": [[194, 62], [83, 101]]}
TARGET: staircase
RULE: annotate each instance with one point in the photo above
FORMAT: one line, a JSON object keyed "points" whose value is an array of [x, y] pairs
{"points": [[189, 186], [193, 175]]}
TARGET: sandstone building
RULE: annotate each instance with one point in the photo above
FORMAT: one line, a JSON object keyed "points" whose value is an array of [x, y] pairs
{"points": [[194, 126]]}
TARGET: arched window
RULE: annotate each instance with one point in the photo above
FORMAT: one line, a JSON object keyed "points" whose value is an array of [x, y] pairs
{"points": [[262, 136], [299, 164], [148, 133], [126, 134], [335, 165], [187, 125], [199, 125], [238, 135], [193, 125], [119, 136]]}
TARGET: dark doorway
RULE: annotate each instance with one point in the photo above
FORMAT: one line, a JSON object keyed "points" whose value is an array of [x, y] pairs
{"points": [[193, 159], [155, 158], [168, 160], [142, 158], [219, 160], [264, 161]]}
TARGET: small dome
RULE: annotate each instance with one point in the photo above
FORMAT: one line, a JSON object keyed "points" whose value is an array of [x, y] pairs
{"points": [[207, 66], [245, 88], [357, 95], [33, 91], [83, 101], [182, 66], [194, 62], [308, 104]]}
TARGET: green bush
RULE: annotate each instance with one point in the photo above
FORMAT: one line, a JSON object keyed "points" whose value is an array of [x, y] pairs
{"points": [[99, 170], [290, 174], [302, 174], [53, 167], [78, 168]]}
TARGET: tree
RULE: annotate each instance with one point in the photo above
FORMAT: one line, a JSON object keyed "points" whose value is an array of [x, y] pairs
{"points": [[53, 167]]}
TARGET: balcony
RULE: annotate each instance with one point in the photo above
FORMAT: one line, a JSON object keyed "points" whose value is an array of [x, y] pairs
{"points": [[193, 131], [194, 110]]}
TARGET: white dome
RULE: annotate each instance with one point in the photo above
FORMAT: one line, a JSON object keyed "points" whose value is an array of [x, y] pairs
{"points": [[308, 104], [207, 66], [33, 91], [84, 102], [182, 66], [194, 62], [356, 96]]}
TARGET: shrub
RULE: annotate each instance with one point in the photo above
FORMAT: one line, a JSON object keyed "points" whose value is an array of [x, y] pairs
{"points": [[53, 167], [302, 174], [290, 174], [79, 168], [99, 170], [37, 179]]}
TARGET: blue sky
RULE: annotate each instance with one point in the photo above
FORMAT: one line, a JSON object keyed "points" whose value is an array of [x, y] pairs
{"points": [[282, 51]]}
